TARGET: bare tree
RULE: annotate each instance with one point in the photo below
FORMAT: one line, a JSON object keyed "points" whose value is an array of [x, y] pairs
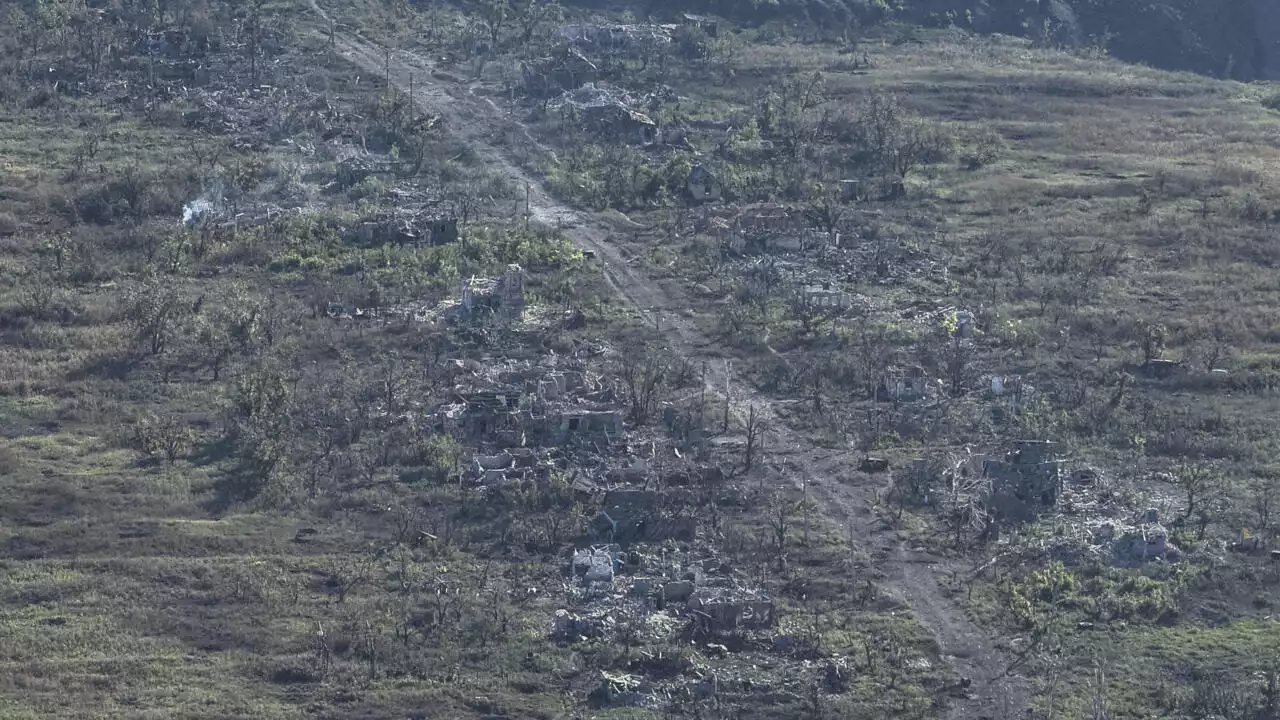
{"points": [[1151, 339], [809, 310], [494, 14], [533, 14], [647, 374], [351, 571], [755, 428], [958, 358], [782, 514], [1263, 492], [825, 208], [963, 499], [35, 294], [1195, 481]]}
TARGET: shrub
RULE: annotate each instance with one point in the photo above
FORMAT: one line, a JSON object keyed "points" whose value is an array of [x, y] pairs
{"points": [[8, 224]]}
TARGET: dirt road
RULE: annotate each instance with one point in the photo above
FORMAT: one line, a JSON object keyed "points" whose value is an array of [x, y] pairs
{"points": [[912, 580]]}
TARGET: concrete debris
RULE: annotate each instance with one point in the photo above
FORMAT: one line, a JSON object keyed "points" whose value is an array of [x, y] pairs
{"points": [[614, 38], [594, 567], [720, 609], [607, 112], [568, 627], [503, 295], [620, 690]]}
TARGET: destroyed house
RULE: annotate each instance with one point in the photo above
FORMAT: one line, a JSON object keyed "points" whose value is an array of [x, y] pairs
{"points": [[614, 38], [441, 230], [706, 25], [512, 465], [587, 425], [718, 610], [905, 384], [827, 297], [491, 415], [769, 227], [619, 123], [703, 185], [637, 515], [568, 69], [1027, 480], [504, 293]]}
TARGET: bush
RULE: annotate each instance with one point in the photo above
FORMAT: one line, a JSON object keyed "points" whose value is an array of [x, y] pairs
{"points": [[8, 224], [985, 150]]}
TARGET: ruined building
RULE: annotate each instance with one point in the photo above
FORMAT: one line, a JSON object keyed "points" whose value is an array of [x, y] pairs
{"points": [[1025, 481], [503, 295]]}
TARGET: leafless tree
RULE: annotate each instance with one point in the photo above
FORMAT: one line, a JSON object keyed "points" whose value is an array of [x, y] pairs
{"points": [[351, 571], [1263, 492], [958, 359], [755, 429], [533, 14], [963, 498], [647, 374], [808, 310], [1195, 480], [35, 294], [782, 512]]}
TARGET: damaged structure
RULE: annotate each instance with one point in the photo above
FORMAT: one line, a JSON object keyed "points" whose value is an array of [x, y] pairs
{"points": [[907, 384], [608, 113], [503, 295], [722, 610], [638, 515], [1025, 481], [703, 185], [565, 69]]}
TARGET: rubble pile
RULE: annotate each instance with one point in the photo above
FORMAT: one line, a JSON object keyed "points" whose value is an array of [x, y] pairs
{"points": [[554, 402], [1092, 525], [842, 255], [614, 38]]}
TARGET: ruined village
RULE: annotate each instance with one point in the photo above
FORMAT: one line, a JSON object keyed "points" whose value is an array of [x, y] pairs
{"points": [[534, 359]]}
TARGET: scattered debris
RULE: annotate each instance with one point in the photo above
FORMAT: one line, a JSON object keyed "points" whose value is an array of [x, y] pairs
{"points": [[873, 464], [908, 384]]}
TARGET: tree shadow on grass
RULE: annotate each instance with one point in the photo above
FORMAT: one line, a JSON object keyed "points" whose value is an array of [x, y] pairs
{"points": [[105, 368]]}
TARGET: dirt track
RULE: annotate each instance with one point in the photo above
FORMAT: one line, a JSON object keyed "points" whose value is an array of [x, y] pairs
{"points": [[910, 579]]}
